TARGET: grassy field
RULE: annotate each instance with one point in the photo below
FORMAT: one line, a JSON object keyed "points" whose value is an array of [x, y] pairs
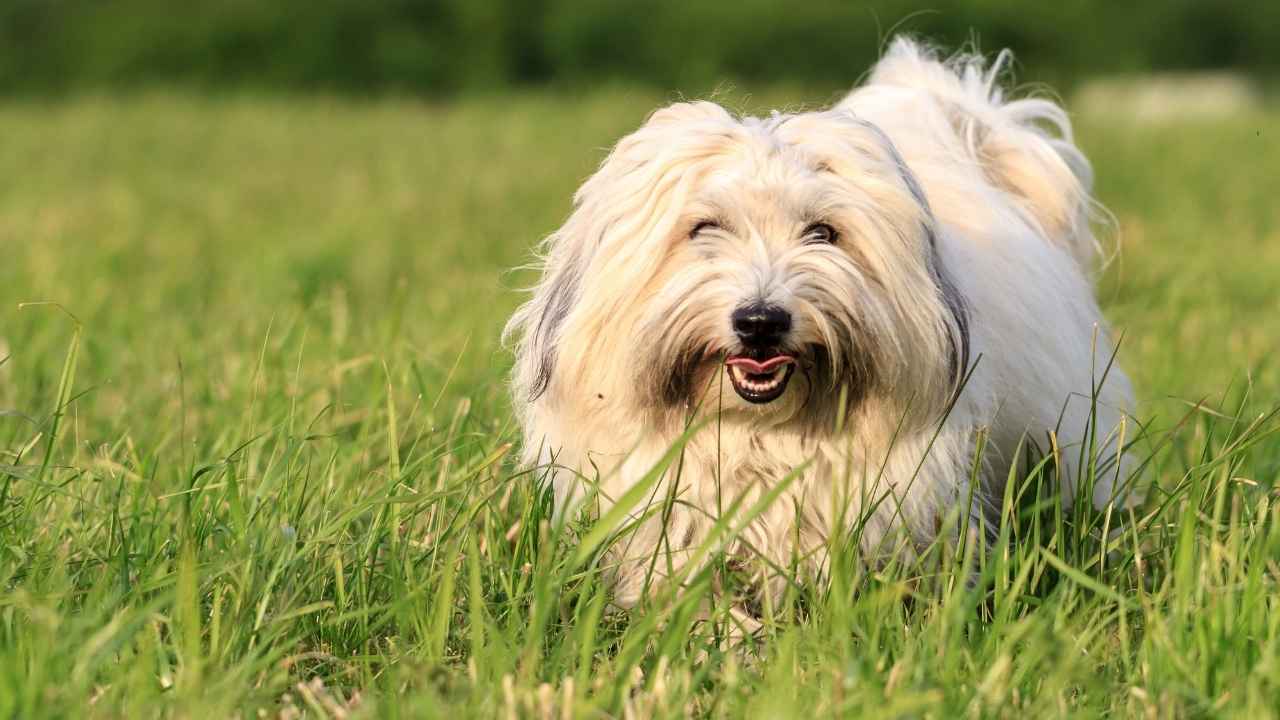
{"points": [[259, 461]]}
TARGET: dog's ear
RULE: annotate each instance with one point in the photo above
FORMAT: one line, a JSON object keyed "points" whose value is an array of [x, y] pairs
{"points": [[631, 198], [952, 299], [538, 323]]}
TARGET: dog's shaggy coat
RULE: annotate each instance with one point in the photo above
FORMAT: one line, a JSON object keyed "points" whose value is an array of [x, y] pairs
{"points": [[924, 247]]}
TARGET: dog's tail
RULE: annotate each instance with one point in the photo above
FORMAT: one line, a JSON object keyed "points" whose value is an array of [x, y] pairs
{"points": [[1024, 146]]}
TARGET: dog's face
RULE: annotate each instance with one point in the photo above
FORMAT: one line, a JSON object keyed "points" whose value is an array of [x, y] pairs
{"points": [[779, 270]]}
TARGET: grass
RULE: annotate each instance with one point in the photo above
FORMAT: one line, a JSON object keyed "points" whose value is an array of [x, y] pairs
{"points": [[258, 460]]}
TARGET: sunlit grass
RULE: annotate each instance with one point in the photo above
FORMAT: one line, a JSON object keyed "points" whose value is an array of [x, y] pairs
{"points": [[266, 462]]}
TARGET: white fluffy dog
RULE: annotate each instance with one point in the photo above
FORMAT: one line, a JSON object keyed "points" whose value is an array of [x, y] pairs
{"points": [[849, 302]]}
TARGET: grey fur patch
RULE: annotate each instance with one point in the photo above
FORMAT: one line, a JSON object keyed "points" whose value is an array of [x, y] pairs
{"points": [[677, 381], [853, 381], [562, 293], [959, 309]]}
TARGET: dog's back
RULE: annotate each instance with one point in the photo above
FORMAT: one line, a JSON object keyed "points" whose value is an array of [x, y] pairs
{"points": [[954, 113]]}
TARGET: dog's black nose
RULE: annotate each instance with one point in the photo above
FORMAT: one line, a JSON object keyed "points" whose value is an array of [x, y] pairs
{"points": [[761, 325]]}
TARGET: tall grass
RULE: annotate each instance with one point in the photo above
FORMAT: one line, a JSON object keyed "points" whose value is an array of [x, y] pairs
{"points": [[267, 464]]}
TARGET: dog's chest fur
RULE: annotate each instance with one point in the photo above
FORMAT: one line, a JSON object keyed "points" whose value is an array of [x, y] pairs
{"points": [[828, 484], [826, 489]]}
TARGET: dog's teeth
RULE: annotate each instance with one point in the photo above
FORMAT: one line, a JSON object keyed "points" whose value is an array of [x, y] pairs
{"points": [[758, 383]]}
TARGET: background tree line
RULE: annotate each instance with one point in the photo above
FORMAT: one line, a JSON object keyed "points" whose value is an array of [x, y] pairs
{"points": [[440, 47]]}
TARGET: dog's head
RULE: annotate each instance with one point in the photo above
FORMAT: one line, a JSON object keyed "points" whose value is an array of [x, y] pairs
{"points": [[776, 269]]}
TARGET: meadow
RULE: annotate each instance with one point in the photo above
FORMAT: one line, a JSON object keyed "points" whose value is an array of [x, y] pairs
{"points": [[256, 450]]}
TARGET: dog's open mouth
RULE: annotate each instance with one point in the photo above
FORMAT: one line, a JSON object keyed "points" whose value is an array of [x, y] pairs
{"points": [[760, 381]]}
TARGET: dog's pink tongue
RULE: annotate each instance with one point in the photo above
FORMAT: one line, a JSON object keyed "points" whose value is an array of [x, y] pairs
{"points": [[760, 368]]}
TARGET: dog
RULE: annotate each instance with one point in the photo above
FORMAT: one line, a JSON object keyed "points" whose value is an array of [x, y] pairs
{"points": [[852, 312]]}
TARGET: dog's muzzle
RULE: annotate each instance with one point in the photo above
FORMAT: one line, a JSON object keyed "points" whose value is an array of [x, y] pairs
{"points": [[759, 373]]}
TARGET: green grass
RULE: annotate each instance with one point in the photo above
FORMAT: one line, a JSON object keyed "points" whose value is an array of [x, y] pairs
{"points": [[260, 462]]}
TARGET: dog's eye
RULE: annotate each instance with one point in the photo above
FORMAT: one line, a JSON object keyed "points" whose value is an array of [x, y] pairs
{"points": [[819, 233], [704, 225]]}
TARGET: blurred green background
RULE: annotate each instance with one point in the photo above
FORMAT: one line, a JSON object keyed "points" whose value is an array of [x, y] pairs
{"points": [[441, 47]]}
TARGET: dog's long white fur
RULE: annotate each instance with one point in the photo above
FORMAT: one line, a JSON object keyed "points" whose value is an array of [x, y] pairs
{"points": [[964, 222]]}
